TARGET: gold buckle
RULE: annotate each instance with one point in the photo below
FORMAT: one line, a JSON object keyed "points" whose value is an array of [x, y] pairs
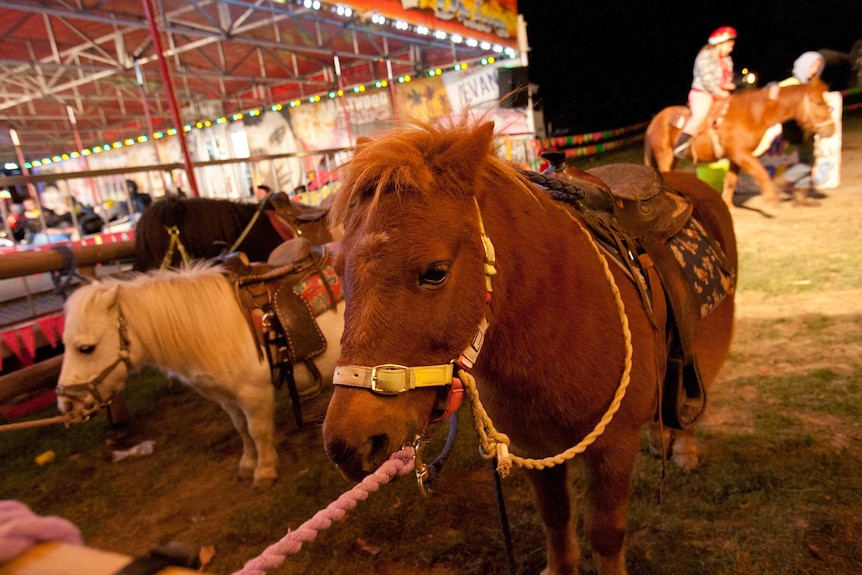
{"points": [[383, 380]]}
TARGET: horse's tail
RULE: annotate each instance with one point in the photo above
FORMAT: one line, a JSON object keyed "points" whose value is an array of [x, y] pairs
{"points": [[649, 154]]}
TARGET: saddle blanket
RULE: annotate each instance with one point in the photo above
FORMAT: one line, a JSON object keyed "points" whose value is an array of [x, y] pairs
{"points": [[704, 266], [313, 289]]}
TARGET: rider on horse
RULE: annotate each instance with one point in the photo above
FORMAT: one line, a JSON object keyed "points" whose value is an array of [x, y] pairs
{"points": [[713, 78]]}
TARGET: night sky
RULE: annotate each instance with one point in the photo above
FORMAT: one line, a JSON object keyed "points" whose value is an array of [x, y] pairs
{"points": [[603, 65]]}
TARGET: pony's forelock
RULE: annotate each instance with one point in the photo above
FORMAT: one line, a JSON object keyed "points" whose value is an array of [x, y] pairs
{"points": [[417, 158]]}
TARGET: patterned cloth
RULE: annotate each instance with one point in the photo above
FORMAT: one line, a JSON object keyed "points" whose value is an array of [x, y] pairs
{"points": [[313, 288], [704, 264]]}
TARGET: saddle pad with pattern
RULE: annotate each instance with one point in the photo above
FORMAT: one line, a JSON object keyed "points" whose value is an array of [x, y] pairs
{"points": [[703, 266]]}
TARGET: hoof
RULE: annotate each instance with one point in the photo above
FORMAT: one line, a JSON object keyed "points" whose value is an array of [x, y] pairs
{"points": [[658, 439], [263, 484], [245, 474], [685, 454]]}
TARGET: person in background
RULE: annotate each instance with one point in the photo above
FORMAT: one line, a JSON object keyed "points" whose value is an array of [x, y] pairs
{"points": [[797, 177], [712, 79], [17, 222]]}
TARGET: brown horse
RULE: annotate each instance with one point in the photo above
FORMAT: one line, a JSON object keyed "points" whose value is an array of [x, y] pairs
{"points": [[206, 227], [737, 133], [420, 207]]}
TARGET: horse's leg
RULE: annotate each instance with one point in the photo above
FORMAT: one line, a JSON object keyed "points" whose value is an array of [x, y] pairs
{"points": [[756, 170], [730, 181], [249, 452], [258, 407], [248, 460], [658, 149], [679, 445], [664, 157], [551, 492], [606, 502]]}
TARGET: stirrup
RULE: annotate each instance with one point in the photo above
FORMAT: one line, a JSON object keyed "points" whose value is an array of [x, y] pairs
{"points": [[683, 151]]}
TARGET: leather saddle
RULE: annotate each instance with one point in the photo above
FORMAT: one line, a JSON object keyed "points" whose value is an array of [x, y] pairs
{"points": [[634, 216], [296, 212], [281, 319], [709, 127]]}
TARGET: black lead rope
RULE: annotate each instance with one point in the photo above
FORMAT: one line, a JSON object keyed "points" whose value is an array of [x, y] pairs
{"points": [[504, 520]]}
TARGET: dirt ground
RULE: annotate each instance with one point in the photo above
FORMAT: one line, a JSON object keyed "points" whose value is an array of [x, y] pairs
{"points": [[812, 232]]}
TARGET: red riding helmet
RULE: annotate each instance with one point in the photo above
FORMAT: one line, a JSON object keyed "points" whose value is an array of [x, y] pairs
{"points": [[722, 34]]}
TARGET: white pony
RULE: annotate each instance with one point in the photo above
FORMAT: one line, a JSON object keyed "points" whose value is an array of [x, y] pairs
{"points": [[189, 323]]}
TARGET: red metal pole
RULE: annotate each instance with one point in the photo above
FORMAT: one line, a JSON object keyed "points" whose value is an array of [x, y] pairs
{"points": [[172, 100], [94, 195]]}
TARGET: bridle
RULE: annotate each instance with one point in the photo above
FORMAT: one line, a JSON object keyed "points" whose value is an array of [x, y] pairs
{"points": [[808, 114], [394, 379], [78, 392]]}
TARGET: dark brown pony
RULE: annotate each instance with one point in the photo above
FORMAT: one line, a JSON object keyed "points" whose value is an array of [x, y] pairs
{"points": [[739, 131], [207, 227], [420, 278]]}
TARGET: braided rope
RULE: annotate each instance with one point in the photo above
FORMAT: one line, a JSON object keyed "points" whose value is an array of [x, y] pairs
{"points": [[492, 443], [273, 556]]}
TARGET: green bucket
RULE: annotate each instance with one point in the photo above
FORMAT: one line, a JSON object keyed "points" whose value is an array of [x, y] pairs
{"points": [[713, 174]]}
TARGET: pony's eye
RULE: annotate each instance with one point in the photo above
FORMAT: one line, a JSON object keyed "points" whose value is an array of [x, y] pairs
{"points": [[435, 274], [86, 349]]}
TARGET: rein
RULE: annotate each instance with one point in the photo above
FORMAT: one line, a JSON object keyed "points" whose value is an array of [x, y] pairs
{"points": [[806, 112], [174, 243], [390, 379], [78, 392], [260, 206], [65, 419]]}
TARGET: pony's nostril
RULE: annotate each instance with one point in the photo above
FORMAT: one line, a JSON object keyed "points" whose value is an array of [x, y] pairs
{"points": [[379, 446]]}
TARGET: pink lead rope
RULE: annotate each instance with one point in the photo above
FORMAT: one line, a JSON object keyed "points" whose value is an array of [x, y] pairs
{"points": [[400, 463]]}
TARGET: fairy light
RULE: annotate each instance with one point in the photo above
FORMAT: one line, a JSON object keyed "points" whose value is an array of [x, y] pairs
{"points": [[342, 11]]}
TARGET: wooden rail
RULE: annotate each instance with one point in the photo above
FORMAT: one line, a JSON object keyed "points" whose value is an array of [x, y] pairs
{"points": [[29, 263], [40, 375]]}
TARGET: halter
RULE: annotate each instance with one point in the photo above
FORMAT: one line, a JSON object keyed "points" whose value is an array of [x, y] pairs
{"points": [[78, 392], [806, 112], [393, 379]]}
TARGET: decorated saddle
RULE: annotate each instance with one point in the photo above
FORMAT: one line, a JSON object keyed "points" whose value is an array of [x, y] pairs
{"points": [[282, 299], [682, 274]]}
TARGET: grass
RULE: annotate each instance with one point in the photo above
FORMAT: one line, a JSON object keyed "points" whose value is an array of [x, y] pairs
{"points": [[781, 498]]}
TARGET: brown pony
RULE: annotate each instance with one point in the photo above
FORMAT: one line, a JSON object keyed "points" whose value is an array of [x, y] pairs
{"points": [[419, 276], [737, 133]]}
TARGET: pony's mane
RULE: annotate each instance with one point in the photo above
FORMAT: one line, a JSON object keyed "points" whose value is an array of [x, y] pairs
{"points": [[185, 314], [226, 216], [452, 157]]}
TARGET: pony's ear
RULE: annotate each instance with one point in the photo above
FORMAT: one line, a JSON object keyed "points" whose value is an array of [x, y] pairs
{"points": [[479, 142], [110, 296], [468, 153]]}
